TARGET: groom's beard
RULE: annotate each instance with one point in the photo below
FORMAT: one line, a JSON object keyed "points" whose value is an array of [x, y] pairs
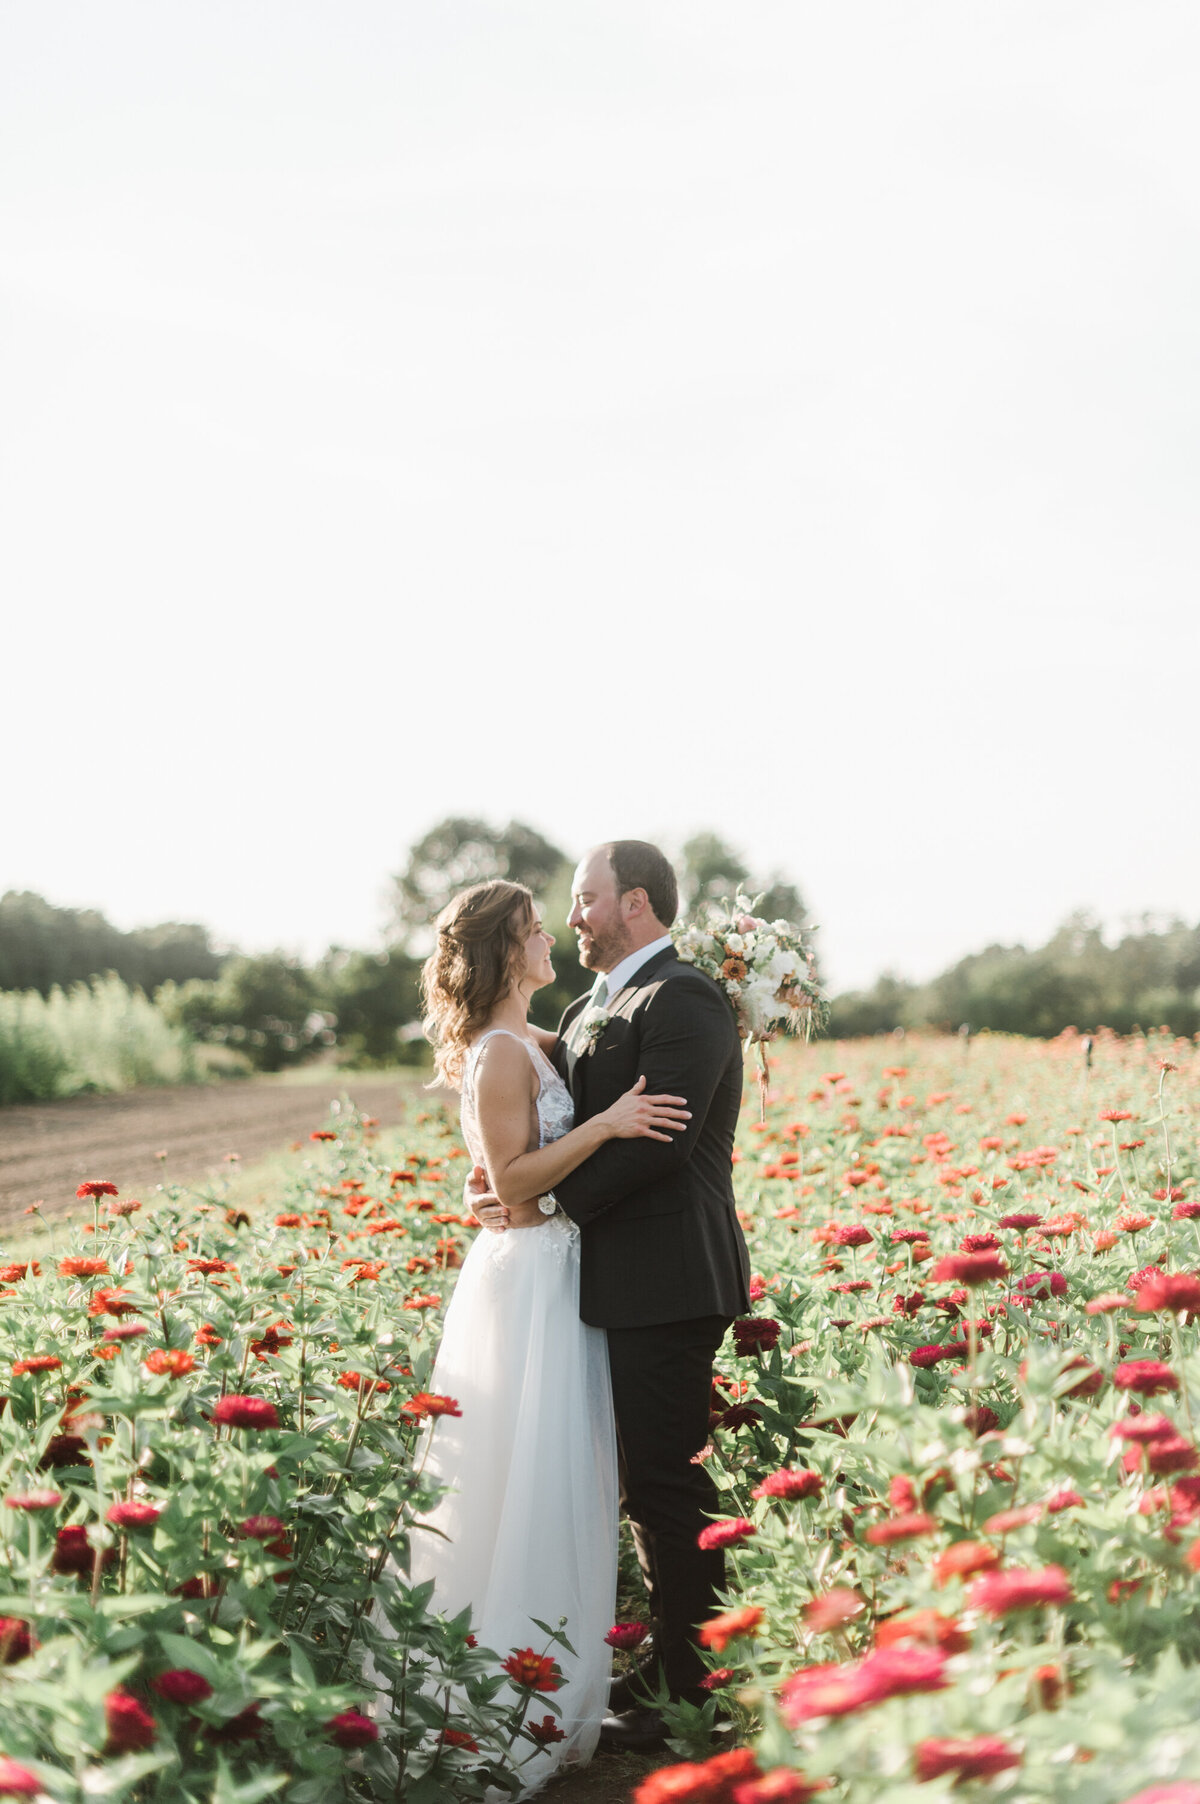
{"points": [[606, 950]]}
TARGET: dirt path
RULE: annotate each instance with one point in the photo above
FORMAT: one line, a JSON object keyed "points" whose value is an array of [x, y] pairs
{"points": [[48, 1148]]}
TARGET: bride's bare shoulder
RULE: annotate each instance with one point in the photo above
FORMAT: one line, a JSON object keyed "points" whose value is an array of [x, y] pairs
{"points": [[502, 1061]]}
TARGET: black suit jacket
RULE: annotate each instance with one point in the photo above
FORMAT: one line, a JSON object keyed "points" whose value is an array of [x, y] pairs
{"points": [[660, 1235]]}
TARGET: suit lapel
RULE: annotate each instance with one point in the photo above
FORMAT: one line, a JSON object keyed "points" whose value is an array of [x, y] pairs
{"points": [[569, 1057], [574, 1060], [641, 977]]}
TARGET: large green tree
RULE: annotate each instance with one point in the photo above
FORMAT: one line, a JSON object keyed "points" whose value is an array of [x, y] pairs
{"points": [[42, 946], [458, 852], [268, 1007]]}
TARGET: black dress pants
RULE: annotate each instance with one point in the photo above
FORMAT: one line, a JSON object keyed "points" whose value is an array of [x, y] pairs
{"points": [[662, 1386]]}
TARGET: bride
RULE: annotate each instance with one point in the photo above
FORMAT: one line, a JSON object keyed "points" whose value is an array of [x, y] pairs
{"points": [[531, 1516]]}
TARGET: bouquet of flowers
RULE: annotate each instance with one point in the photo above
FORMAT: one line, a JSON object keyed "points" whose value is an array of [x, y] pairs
{"points": [[763, 967]]}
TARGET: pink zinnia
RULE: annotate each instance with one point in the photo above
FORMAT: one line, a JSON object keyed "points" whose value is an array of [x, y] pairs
{"points": [[976, 1757], [1016, 1588], [133, 1515]]}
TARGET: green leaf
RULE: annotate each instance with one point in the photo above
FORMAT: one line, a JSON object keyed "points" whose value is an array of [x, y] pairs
{"points": [[186, 1651]]}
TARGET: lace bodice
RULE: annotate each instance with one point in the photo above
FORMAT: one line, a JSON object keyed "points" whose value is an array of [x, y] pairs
{"points": [[555, 1110]]}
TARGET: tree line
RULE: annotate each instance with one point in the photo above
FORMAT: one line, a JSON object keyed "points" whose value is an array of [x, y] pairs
{"points": [[276, 1009], [1149, 979]]}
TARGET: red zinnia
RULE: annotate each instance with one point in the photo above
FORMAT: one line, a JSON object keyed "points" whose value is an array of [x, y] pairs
{"points": [[112, 1302], [530, 1671], [976, 1757], [626, 1635], [428, 1403], [998, 1593], [963, 1558], [832, 1609], [1169, 1290], [131, 1728], [38, 1362], [545, 1732], [927, 1626], [1145, 1376], [714, 1781], [359, 1381], [837, 1690], [790, 1482], [16, 1640], [901, 1528], [82, 1268], [726, 1533], [1143, 1428], [1042, 1284], [851, 1236], [930, 1355], [169, 1362], [94, 1189], [1004, 1521], [182, 1686], [246, 1412], [350, 1729], [34, 1500], [133, 1515], [755, 1334], [17, 1781], [782, 1785], [458, 1738], [968, 1268], [1172, 1454], [721, 1630], [262, 1528]]}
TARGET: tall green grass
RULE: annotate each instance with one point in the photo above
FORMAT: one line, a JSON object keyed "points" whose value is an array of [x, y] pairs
{"points": [[96, 1036]]}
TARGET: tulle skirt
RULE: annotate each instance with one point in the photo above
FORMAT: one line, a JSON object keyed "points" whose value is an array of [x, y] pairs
{"points": [[531, 1520]]}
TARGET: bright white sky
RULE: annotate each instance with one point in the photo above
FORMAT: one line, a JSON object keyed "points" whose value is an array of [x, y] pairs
{"points": [[629, 418]]}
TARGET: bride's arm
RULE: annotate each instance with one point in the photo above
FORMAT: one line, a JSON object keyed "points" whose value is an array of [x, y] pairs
{"points": [[505, 1089]]}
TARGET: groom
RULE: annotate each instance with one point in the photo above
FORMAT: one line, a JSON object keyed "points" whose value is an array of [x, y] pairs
{"points": [[663, 1265]]}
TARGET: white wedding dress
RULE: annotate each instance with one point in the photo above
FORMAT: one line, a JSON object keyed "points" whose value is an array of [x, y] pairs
{"points": [[531, 1517]]}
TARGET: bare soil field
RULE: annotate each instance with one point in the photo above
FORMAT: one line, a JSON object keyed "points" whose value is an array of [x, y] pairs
{"points": [[48, 1148]]}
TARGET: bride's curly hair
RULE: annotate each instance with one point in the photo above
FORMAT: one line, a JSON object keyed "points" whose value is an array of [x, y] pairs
{"points": [[480, 952]]}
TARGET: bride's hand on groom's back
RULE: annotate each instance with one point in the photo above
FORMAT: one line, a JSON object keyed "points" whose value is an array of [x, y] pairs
{"points": [[636, 1116]]}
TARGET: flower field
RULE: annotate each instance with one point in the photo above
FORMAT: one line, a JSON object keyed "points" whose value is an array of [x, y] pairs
{"points": [[957, 1440], [955, 1446]]}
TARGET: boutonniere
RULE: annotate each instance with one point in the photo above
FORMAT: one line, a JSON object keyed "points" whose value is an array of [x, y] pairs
{"points": [[591, 1026]]}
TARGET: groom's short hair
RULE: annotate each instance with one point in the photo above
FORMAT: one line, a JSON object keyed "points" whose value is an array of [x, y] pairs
{"points": [[638, 865]]}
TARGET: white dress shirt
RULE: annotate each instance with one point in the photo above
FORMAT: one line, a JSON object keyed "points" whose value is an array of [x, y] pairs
{"points": [[620, 974]]}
